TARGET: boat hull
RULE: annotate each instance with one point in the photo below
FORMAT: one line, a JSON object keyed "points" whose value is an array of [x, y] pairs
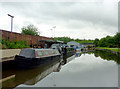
{"points": [[68, 51], [23, 62]]}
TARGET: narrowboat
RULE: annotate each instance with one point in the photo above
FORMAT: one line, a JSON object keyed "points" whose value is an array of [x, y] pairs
{"points": [[68, 50], [31, 57]]}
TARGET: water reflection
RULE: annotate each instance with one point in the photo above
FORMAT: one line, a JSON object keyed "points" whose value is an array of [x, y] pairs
{"points": [[86, 69], [32, 76], [78, 54], [107, 56], [67, 58]]}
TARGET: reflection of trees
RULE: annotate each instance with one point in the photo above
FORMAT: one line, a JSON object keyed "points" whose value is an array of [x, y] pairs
{"points": [[96, 54], [88, 52], [107, 56]]}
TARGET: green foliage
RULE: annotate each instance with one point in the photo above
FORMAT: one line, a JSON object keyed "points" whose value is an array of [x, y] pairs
{"points": [[30, 30], [0, 44], [96, 41], [108, 41], [64, 39], [86, 41], [114, 49], [13, 45], [107, 55], [68, 39], [117, 39]]}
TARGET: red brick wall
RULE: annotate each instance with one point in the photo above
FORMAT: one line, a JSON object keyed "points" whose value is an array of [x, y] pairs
{"points": [[31, 40]]}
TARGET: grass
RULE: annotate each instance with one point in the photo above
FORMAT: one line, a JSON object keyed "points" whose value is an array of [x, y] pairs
{"points": [[113, 49]]}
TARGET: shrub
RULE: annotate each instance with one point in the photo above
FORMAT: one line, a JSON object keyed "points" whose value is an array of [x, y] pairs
{"points": [[13, 44]]}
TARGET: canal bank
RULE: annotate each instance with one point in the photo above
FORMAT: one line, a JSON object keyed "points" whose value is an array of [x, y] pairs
{"points": [[116, 51], [8, 54]]}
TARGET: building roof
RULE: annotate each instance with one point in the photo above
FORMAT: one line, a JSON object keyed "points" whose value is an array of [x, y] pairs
{"points": [[73, 43]]}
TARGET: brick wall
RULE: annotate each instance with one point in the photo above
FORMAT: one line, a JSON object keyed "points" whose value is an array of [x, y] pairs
{"points": [[13, 36]]}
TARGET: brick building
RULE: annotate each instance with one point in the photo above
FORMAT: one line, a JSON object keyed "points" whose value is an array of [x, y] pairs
{"points": [[31, 40]]}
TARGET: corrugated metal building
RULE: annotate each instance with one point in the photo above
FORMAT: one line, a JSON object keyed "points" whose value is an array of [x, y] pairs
{"points": [[73, 44]]}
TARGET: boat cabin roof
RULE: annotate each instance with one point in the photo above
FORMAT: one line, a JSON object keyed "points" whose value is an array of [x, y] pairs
{"points": [[38, 53]]}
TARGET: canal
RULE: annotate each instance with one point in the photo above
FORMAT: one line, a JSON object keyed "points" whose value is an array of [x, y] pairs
{"points": [[87, 69]]}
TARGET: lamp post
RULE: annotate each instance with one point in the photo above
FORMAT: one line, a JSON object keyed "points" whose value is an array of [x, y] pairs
{"points": [[11, 21], [51, 32], [54, 30]]}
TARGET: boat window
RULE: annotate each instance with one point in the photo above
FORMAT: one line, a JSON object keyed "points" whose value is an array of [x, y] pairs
{"points": [[43, 52], [53, 52], [56, 51], [46, 53], [50, 52], [39, 53]]}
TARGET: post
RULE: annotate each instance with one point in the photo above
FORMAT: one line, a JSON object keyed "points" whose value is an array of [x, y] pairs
{"points": [[11, 21], [54, 30], [51, 33], [11, 24]]}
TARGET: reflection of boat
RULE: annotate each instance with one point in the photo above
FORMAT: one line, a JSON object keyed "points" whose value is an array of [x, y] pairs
{"points": [[84, 48], [67, 58], [77, 54], [53, 68], [78, 49], [30, 57], [31, 76], [34, 75]]}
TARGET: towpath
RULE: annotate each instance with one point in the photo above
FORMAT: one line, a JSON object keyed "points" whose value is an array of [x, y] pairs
{"points": [[8, 54]]}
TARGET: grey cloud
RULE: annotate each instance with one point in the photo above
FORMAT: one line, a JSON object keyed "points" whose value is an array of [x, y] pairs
{"points": [[66, 12], [69, 15]]}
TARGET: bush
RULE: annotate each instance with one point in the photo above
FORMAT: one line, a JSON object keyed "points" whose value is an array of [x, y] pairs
{"points": [[14, 44], [4, 46]]}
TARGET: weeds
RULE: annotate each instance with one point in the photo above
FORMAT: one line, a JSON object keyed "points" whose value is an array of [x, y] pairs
{"points": [[5, 44]]}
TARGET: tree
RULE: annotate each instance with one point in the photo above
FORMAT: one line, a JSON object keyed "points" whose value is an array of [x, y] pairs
{"points": [[64, 39], [96, 41], [110, 41], [117, 39], [30, 30], [103, 42]]}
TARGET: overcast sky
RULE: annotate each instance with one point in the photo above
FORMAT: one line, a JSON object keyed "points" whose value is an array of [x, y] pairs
{"points": [[87, 19]]}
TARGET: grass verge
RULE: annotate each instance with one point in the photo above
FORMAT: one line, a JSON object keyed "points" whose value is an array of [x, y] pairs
{"points": [[113, 49]]}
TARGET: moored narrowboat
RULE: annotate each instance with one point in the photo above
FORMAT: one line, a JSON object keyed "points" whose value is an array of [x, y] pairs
{"points": [[31, 57]]}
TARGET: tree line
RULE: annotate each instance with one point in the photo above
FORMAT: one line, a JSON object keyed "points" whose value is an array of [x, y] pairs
{"points": [[32, 30], [108, 41], [68, 39]]}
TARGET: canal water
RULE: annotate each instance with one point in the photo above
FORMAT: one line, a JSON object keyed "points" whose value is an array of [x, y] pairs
{"points": [[87, 69]]}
